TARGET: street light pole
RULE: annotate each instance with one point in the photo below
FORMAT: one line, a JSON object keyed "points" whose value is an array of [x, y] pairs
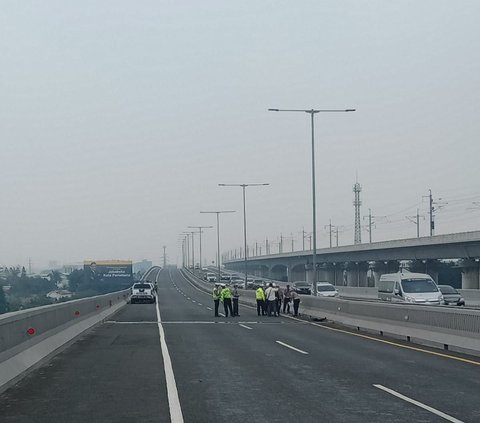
{"points": [[200, 240], [244, 221], [312, 113], [218, 212], [187, 241]]}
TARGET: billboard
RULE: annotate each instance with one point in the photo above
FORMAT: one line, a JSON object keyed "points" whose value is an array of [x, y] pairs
{"points": [[102, 271]]}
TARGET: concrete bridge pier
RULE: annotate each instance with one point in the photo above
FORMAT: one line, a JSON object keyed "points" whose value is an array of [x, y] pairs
{"points": [[309, 273], [356, 273], [470, 274], [378, 269], [326, 273], [337, 273]]}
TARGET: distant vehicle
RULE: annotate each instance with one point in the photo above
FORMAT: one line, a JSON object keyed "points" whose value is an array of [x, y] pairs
{"points": [[325, 289], [302, 287], [451, 296], [225, 278], [142, 292], [210, 277], [413, 288], [257, 283], [237, 280]]}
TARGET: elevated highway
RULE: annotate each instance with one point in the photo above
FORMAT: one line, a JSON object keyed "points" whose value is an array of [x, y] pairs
{"points": [[233, 369], [349, 265]]}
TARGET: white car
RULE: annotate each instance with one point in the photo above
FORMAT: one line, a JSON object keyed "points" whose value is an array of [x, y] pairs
{"points": [[211, 277], [325, 289], [143, 292]]}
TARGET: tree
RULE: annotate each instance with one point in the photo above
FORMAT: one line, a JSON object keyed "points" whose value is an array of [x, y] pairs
{"points": [[55, 277], [3, 301], [75, 280]]}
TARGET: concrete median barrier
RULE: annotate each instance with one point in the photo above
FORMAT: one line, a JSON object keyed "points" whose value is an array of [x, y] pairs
{"points": [[30, 337], [444, 327]]}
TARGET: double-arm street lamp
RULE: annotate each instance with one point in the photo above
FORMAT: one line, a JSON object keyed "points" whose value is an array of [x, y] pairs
{"points": [[312, 113], [244, 220], [200, 239], [218, 212]]}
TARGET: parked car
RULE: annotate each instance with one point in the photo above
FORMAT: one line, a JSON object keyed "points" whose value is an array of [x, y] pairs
{"points": [[413, 288], [302, 287], [142, 292], [325, 289], [257, 283], [451, 296], [210, 277]]}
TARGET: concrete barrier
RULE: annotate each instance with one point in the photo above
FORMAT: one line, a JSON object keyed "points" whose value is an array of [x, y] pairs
{"points": [[30, 337], [444, 327]]}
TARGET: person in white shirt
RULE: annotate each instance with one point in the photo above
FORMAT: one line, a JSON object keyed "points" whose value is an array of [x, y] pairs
{"points": [[270, 299]]}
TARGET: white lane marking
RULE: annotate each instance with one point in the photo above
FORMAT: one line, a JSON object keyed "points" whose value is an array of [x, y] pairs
{"points": [[200, 304], [129, 323], [245, 326], [193, 301], [419, 404], [292, 348], [209, 308], [188, 298], [221, 314], [176, 415]]}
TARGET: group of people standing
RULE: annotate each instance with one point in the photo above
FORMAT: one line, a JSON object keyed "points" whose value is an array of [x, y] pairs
{"points": [[229, 298], [271, 299]]}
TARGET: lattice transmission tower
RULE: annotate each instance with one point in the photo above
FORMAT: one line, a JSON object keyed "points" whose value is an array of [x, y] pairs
{"points": [[357, 189]]}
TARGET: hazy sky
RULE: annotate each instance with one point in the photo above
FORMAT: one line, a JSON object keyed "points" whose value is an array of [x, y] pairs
{"points": [[118, 119]]}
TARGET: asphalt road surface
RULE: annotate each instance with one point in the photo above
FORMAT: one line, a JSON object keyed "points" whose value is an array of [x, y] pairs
{"points": [[268, 369]]}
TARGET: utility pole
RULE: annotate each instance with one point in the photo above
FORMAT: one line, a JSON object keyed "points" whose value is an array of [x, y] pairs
{"points": [[432, 223], [200, 233], [372, 223], [164, 256], [29, 265], [329, 226], [433, 209], [416, 221]]}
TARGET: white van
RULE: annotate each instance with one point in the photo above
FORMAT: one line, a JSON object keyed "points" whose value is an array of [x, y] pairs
{"points": [[414, 288]]}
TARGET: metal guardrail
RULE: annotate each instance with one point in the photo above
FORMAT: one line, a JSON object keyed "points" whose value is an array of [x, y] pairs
{"points": [[449, 328]]}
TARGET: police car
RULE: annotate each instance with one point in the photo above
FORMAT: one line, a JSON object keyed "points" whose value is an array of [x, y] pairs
{"points": [[142, 292]]}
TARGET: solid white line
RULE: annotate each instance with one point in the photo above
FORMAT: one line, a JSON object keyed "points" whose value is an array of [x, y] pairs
{"points": [[176, 415], [418, 404], [292, 348], [129, 323], [245, 326]]}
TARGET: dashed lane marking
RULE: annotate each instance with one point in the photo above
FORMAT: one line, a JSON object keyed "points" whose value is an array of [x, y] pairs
{"points": [[418, 404], [245, 326], [292, 348], [209, 308]]}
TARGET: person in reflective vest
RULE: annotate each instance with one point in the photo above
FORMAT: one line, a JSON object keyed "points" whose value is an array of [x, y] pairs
{"points": [[226, 298], [260, 297], [217, 292]]}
